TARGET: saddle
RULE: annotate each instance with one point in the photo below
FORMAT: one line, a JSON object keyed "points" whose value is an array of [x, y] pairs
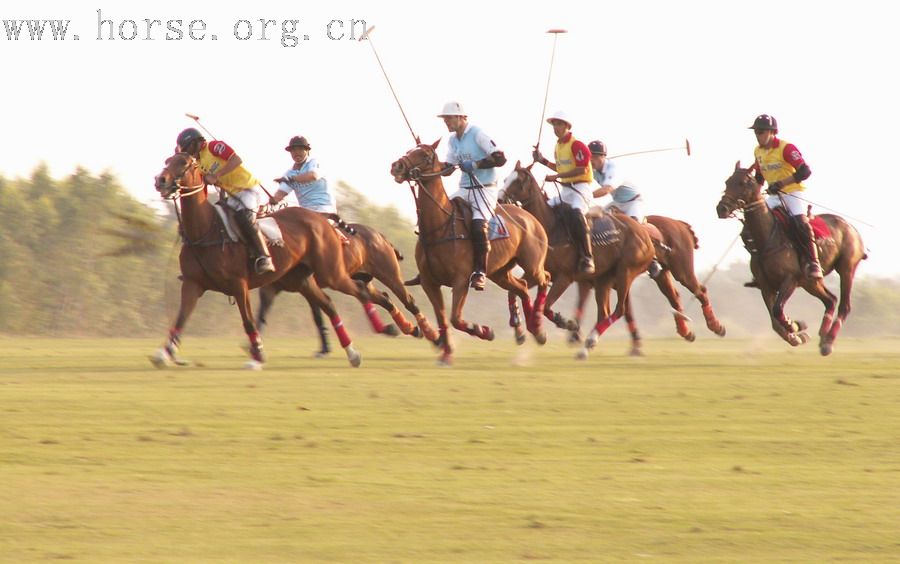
{"points": [[463, 210], [784, 223], [605, 228], [267, 226]]}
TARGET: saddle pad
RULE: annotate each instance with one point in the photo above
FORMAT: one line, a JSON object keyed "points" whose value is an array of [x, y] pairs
{"points": [[497, 229], [820, 228], [604, 230]]}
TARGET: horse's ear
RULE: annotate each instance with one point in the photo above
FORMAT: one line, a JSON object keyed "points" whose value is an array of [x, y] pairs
{"points": [[436, 143], [519, 165], [737, 166]]}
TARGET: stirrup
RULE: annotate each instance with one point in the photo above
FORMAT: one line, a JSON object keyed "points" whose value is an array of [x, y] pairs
{"points": [[477, 281], [263, 265], [751, 284]]}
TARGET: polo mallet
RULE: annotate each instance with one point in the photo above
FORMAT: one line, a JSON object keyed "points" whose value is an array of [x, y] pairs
{"points": [[555, 33], [685, 147], [365, 36], [208, 132]]}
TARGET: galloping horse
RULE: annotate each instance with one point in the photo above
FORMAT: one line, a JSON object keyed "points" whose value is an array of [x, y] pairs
{"points": [[211, 262], [368, 255], [617, 264], [444, 259], [676, 254], [776, 265]]}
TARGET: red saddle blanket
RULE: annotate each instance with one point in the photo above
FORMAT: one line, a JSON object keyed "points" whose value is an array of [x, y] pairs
{"points": [[820, 228]]}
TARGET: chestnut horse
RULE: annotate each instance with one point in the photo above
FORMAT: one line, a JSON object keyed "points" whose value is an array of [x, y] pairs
{"points": [[776, 266], [616, 265], [369, 255], [444, 257], [211, 262], [675, 253]]}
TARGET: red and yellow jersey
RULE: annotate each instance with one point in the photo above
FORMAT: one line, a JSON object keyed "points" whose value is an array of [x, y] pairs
{"points": [[214, 156], [570, 154], [779, 162]]}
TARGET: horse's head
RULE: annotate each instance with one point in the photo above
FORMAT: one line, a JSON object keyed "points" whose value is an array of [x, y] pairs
{"points": [[416, 162], [519, 186], [182, 172], [741, 188]]}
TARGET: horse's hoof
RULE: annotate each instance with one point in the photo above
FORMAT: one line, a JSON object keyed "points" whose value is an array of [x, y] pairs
{"points": [[321, 354], [582, 354], [801, 326], [720, 331], [520, 336], [590, 343], [635, 351], [541, 337], [570, 325], [353, 357], [487, 333], [416, 332], [445, 360], [253, 365], [804, 338], [574, 338], [160, 359], [690, 337], [391, 330]]}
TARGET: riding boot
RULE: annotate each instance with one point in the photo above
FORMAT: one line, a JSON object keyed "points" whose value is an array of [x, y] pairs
{"points": [[480, 248], [246, 219], [808, 238], [581, 235], [655, 269]]}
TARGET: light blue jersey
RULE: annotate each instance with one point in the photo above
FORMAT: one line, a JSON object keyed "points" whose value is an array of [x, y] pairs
{"points": [[473, 146], [607, 175], [315, 195]]}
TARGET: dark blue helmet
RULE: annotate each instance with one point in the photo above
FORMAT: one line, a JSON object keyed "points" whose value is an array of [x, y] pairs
{"points": [[188, 136], [764, 121], [597, 148]]}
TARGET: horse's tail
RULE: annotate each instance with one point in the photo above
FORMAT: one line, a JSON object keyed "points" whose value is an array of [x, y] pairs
{"points": [[396, 252], [693, 235]]}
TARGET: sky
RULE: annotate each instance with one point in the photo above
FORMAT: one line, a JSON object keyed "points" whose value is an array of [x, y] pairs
{"points": [[639, 75]]}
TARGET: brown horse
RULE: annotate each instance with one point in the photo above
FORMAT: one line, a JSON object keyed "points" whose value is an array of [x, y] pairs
{"points": [[616, 264], [445, 259], [776, 265], [369, 255], [675, 252], [210, 262]]}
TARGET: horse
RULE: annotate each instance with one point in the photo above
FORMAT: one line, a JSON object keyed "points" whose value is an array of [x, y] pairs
{"points": [[776, 264], [210, 261], [444, 258], [367, 256], [675, 246], [616, 264]]}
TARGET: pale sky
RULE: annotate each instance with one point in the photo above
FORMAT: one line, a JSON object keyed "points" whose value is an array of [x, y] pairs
{"points": [[638, 74]]}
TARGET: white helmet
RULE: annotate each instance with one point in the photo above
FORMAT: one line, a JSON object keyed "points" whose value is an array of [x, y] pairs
{"points": [[452, 109], [561, 116]]}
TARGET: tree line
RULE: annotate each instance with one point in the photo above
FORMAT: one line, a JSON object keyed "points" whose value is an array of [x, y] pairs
{"points": [[80, 256]]}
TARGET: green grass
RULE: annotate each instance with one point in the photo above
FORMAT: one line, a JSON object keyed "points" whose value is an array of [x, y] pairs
{"points": [[719, 450]]}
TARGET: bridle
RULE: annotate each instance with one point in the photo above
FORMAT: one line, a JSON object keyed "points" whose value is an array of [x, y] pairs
{"points": [[414, 174], [736, 203], [178, 190], [523, 183]]}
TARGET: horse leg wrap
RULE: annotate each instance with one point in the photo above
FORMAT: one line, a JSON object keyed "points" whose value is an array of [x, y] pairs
{"points": [[835, 327], [827, 324], [340, 331], [681, 326], [540, 302], [426, 327], [173, 342], [377, 325], [514, 319], [601, 327], [255, 346], [402, 322], [528, 311], [711, 322]]}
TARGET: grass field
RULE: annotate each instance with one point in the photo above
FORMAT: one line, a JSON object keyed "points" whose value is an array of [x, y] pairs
{"points": [[719, 450]]}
